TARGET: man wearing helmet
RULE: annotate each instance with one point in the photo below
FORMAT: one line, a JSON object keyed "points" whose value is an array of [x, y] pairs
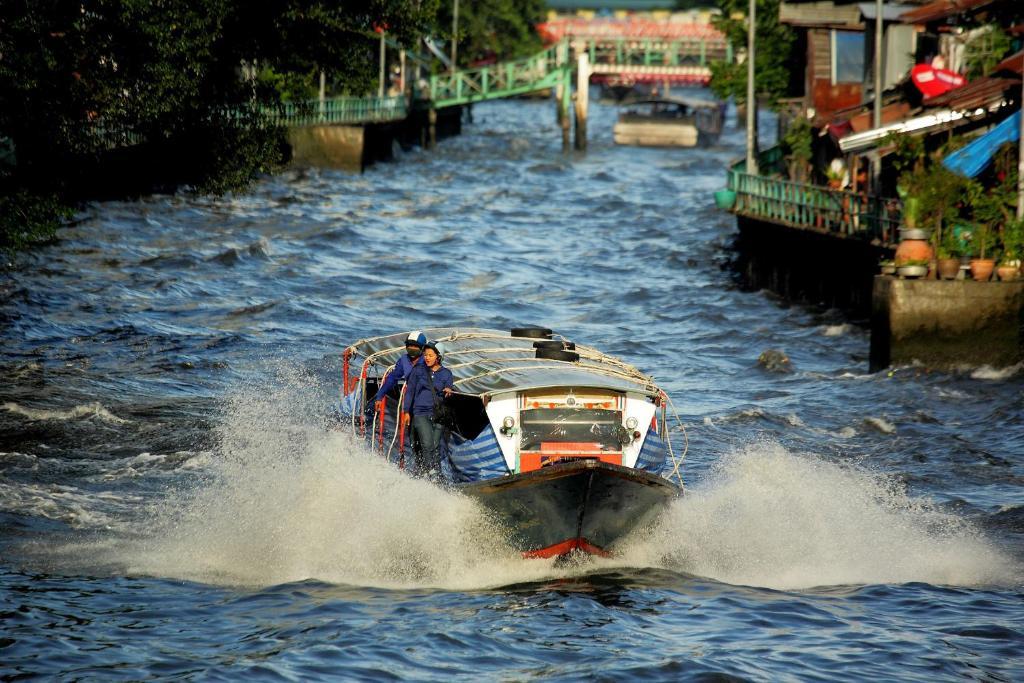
{"points": [[414, 344], [427, 387]]}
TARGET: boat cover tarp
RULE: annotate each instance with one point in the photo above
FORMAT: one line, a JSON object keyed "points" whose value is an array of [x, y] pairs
{"points": [[476, 459], [487, 362], [972, 159], [653, 454]]}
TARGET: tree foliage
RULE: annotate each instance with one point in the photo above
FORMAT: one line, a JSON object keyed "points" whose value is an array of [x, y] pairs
{"points": [[77, 79], [773, 54], [493, 29]]}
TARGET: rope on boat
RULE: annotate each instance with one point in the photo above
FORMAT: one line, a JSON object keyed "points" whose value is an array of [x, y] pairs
{"points": [[677, 462], [398, 427]]}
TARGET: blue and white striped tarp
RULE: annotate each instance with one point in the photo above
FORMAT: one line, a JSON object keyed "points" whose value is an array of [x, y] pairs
{"points": [[653, 454], [349, 404], [478, 459]]}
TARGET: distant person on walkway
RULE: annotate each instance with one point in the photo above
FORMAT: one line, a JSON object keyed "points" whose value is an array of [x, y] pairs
{"points": [[414, 344], [426, 389]]}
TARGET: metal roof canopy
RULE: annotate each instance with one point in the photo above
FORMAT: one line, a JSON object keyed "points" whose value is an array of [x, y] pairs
{"points": [[890, 11], [942, 9], [486, 362], [942, 119]]}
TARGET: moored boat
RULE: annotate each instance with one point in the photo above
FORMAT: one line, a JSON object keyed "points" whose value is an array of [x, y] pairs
{"points": [[669, 122], [567, 446]]}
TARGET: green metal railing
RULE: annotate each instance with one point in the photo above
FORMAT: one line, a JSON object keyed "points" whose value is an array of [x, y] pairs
{"points": [[335, 110], [805, 205], [543, 70], [687, 52]]}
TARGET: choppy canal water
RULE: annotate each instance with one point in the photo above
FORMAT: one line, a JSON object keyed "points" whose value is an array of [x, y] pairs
{"points": [[173, 505]]}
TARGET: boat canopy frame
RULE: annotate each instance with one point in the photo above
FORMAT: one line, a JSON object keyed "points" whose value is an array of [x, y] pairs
{"points": [[487, 362]]}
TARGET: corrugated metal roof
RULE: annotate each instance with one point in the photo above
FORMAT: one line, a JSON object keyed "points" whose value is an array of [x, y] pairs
{"points": [[487, 362], [820, 14], [941, 9], [890, 11], [1014, 63], [985, 93]]}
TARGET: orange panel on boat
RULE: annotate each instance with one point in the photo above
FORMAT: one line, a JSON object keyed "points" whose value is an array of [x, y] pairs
{"points": [[530, 461], [583, 446]]}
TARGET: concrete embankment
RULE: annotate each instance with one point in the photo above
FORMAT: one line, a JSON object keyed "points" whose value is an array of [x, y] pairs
{"points": [[946, 323], [943, 324], [354, 147]]}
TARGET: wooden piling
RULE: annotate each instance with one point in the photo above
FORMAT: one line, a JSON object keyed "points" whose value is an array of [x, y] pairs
{"points": [[582, 97]]}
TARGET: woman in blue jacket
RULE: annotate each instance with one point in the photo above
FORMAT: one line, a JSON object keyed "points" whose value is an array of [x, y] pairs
{"points": [[426, 388]]}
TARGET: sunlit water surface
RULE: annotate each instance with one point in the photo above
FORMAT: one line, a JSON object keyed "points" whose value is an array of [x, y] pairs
{"points": [[173, 502]]}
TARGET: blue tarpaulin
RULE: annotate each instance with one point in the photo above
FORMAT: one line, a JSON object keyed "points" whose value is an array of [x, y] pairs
{"points": [[972, 159]]}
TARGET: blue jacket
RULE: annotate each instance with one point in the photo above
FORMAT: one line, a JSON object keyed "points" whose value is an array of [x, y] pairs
{"points": [[423, 386], [401, 371]]}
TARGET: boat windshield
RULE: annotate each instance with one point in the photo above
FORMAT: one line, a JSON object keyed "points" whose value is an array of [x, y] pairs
{"points": [[583, 428]]}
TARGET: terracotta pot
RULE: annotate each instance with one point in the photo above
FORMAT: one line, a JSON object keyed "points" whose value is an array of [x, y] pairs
{"points": [[948, 268], [1008, 273], [913, 250], [981, 268]]}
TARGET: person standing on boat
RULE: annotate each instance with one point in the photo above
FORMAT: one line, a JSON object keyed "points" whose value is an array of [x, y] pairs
{"points": [[427, 387], [414, 344]]}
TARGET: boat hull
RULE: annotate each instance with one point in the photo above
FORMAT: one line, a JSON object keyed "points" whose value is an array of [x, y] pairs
{"points": [[582, 505], [656, 134]]}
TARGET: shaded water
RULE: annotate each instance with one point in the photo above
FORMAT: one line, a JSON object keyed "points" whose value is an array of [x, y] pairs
{"points": [[173, 503]]}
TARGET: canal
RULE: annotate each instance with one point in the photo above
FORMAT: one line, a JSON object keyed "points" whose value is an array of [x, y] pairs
{"points": [[172, 502]]}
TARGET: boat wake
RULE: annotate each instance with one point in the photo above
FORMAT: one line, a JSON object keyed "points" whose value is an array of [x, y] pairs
{"points": [[768, 517], [287, 500]]}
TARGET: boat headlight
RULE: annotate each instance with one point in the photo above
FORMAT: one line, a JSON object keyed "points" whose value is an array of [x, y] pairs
{"points": [[508, 426], [631, 423]]}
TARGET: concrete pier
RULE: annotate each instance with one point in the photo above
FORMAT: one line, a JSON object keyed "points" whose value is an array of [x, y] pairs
{"points": [[354, 147], [946, 324]]}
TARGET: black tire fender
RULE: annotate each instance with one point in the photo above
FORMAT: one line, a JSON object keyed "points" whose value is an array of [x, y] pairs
{"points": [[532, 332], [558, 354]]}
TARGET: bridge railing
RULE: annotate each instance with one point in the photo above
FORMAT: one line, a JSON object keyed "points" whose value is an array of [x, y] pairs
{"points": [[806, 205], [337, 110], [684, 52], [542, 70]]}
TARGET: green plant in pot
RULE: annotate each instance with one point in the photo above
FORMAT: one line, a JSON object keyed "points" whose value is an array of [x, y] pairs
{"points": [[1013, 247], [988, 212], [948, 252]]}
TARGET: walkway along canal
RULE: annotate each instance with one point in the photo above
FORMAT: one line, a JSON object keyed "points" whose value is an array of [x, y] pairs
{"points": [[821, 245]]}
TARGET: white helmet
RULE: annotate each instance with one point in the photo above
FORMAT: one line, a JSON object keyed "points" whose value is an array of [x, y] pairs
{"points": [[416, 338]]}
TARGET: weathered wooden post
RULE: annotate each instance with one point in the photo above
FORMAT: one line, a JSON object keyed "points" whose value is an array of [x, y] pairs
{"points": [[323, 95], [383, 60], [582, 97], [431, 127], [563, 91], [751, 96]]}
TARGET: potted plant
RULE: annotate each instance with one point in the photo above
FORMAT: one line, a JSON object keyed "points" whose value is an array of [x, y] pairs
{"points": [[1013, 242], [948, 253], [912, 268], [887, 266], [836, 174], [987, 213], [982, 265]]}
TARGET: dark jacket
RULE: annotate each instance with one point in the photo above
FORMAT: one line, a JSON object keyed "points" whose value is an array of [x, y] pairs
{"points": [[423, 387], [401, 371]]}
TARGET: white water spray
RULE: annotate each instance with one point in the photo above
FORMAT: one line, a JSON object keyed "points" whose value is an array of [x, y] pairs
{"points": [[770, 518], [288, 500]]}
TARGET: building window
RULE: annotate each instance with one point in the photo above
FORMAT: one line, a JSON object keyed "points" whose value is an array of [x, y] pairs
{"points": [[847, 57]]}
